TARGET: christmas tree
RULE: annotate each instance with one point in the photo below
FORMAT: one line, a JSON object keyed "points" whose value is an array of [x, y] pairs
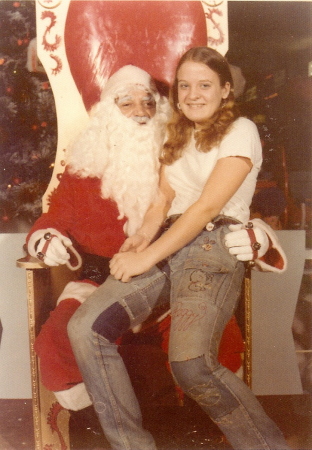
{"points": [[28, 133]]}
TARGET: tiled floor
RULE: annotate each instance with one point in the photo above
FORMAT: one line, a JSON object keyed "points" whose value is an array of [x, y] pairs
{"points": [[174, 427]]}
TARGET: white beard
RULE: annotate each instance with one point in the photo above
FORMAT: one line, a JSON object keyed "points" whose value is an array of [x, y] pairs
{"points": [[132, 171], [124, 155]]}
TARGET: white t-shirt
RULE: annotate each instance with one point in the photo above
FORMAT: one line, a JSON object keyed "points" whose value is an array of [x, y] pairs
{"points": [[188, 175]]}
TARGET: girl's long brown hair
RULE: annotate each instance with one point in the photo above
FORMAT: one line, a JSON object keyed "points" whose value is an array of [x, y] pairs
{"points": [[180, 129]]}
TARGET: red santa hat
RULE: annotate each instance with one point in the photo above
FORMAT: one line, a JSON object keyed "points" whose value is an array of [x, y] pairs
{"points": [[125, 79]]}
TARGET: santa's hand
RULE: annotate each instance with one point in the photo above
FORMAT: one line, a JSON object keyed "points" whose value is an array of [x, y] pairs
{"points": [[247, 242], [49, 246], [134, 243], [125, 265]]}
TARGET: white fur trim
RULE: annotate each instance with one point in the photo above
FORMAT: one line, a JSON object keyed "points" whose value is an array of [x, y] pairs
{"points": [[74, 398], [128, 76], [78, 290], [260, 263], [240, 372]]}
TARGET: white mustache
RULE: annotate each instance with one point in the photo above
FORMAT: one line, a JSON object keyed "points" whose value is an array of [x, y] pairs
{"points": [[141, 120]]}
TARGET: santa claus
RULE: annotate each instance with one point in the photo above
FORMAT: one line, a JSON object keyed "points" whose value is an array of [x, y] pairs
{"points": [[110, 180]]}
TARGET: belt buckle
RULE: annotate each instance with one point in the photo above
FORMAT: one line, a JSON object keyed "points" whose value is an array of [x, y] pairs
{"points": [[210, 226]]}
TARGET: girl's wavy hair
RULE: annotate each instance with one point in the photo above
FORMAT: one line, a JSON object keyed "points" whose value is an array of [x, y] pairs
{"points": [[180, 129]]}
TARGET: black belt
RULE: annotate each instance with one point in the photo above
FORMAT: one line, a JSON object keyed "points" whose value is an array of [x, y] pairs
{"points": [[95, 268], [219, 221]]}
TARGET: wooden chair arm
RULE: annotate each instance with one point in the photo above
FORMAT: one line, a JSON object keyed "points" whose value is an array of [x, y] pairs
{"points": [[29, 262]]}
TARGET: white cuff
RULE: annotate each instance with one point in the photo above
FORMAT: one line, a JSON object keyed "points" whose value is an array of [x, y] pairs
{"points": [[74, 398], [79, 290]]}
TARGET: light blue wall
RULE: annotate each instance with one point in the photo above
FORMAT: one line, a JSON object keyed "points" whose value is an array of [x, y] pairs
{"points": [[14, 348], [275, 368]]}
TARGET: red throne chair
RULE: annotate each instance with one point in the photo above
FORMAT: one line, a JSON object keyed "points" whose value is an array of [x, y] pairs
{"points": [[80, 44]]}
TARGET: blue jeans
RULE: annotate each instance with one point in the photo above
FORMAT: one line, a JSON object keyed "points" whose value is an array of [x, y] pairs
{"points": [[204, 283]]}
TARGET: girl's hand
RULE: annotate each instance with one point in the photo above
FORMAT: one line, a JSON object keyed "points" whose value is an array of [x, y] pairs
{"points": [[125, 265]]}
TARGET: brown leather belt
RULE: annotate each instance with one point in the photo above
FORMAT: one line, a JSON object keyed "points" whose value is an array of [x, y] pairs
{"points": [[219, 221]]}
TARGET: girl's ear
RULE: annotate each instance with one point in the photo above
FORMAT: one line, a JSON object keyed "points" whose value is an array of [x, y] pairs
{"points": [[226, 90]]}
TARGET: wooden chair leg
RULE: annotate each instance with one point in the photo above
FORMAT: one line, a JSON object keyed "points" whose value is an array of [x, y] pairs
{"points": [[247, 329], [49, 418], [243, 317]]}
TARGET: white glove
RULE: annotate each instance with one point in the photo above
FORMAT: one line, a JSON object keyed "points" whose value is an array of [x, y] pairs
{"points": [[52, 246], [239, 242]]}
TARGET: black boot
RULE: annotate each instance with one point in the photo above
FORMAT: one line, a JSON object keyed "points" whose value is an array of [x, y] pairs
{"points": [[85, 431]]}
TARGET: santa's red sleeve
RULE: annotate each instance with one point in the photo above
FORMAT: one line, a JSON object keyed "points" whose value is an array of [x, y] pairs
{"points": [[61, 214], [77, 210]]}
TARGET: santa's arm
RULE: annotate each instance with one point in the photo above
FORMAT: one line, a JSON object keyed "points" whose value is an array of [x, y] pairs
{"points": [[48, 238], [256, 241]]}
